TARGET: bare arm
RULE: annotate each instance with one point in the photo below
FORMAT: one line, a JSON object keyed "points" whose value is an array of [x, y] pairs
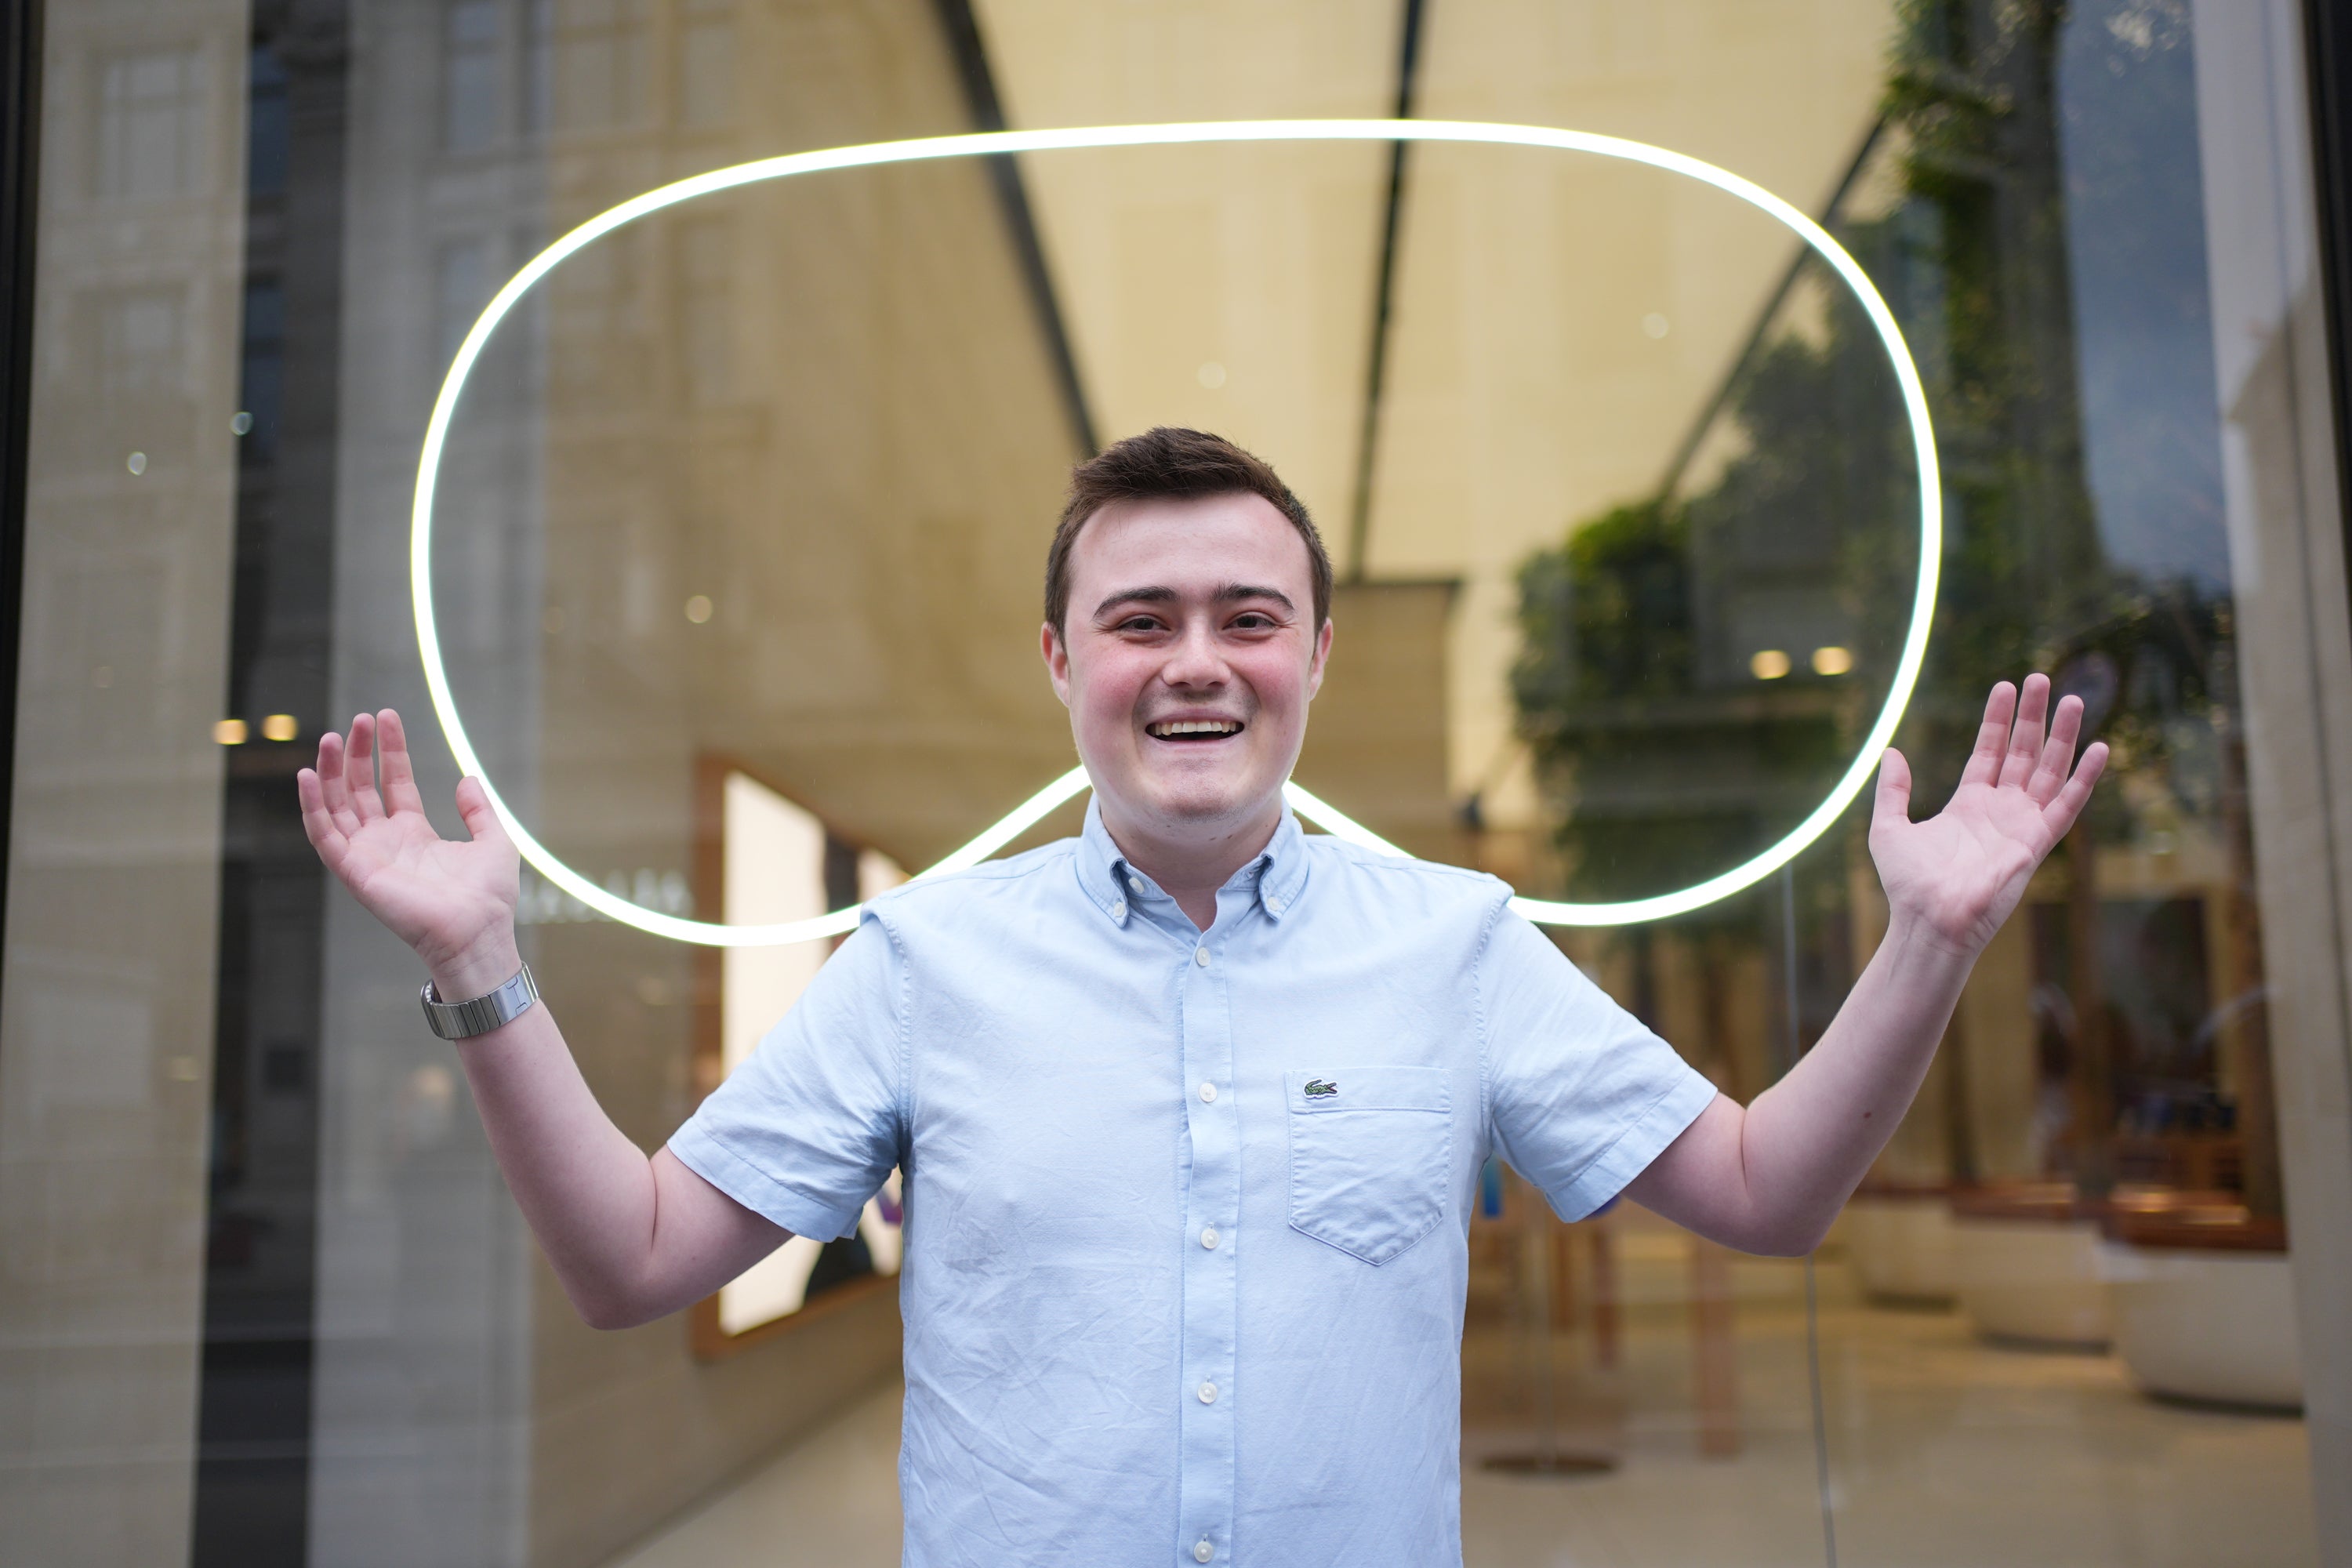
{"points": [[1771, 1177], [631, 1239]]}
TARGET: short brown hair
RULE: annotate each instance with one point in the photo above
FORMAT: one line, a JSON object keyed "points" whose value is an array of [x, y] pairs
{"points": [[1169, 463]]}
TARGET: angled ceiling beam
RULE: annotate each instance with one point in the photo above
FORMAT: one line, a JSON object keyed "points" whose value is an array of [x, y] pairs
{"points": [[1360, 521], [1753, 344], [971, 53]]}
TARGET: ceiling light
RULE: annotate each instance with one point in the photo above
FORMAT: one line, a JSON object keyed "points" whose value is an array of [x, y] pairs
{"points": [[229, 732], [1832, 661], [1768, 664]]}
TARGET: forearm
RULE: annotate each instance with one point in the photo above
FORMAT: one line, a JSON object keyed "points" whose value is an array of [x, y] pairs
{"points": [[1770, 1178], [588, 1193], [1806, 1142], [631, 1239]]}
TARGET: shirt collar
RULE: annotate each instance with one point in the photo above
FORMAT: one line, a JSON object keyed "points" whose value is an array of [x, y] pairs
{"points": [[1279, 870]]}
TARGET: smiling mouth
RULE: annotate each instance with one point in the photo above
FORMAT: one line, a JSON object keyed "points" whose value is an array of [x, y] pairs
{"points": [[1193, 731]]}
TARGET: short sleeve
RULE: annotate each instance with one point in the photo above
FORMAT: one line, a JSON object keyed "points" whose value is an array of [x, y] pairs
{"points": [[806, 1128], [1581, 1096]]}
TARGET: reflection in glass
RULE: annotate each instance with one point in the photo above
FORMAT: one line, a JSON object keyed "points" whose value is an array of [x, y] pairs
{"points": [[762, 487], [2100, 1121]]}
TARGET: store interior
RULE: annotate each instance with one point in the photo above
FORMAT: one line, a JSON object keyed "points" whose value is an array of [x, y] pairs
{"points": [[736, 562]]}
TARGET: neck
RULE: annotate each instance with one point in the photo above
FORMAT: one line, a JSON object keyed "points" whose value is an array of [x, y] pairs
{"points": [[1190, 861]]}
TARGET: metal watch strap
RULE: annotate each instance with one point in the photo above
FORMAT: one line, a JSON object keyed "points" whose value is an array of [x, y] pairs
{"points": [[481, 1014]]}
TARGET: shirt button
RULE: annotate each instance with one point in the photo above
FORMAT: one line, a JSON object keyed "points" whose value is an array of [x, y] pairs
{"points": [[1273, 905], [1201, 956], [1118, 910], [1208, 1394], [1209, 1239], [1208, 1094], [1204, 1551]]}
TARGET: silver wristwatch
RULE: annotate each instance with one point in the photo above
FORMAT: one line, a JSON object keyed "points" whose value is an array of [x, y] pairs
{"points": [[459, 1020]]}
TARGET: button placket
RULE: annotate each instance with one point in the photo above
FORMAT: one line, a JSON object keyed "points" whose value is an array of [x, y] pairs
{"points": [[1212, 1198]]}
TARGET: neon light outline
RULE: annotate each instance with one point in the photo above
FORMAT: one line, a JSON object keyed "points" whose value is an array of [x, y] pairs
{"points": [[872, 155]]}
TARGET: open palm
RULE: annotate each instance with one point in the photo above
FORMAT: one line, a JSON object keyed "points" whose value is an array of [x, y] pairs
{"points": [[445, 897], [1963, 871]]}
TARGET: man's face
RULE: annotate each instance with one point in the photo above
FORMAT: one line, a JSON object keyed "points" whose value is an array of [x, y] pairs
{"points": [[1189, 658]]}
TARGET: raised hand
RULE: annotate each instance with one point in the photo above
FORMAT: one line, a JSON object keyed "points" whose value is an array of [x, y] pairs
{"points": [[1962, 871], [452, 900]]}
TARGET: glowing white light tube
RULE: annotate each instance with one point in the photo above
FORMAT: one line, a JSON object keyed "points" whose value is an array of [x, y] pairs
{"points": [[1915, 403]]}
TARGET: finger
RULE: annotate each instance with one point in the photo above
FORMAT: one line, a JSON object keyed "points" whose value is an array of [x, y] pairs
{"points": [[333, 786], [318, 823], [359, 769], [2050, 772], [1992, 736], [2061, 812], [399, 775], [1893, 804], [481, 820], [2025, 738]]}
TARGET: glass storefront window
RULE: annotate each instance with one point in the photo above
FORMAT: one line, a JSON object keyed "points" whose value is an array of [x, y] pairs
{"points": [[737, 556]]}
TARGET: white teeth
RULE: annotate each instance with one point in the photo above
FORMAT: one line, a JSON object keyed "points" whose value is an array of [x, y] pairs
{"points": [[1195, 727]]}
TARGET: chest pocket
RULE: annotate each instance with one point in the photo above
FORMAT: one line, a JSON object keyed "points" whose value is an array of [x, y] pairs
{"points": [[1371, 1151]]}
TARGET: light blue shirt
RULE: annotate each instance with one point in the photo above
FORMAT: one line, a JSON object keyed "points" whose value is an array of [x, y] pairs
{"points": [[1187, 1213]]}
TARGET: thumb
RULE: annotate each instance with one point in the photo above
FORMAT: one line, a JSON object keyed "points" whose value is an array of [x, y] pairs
{"points": [[482, 823], [1893, 805]]}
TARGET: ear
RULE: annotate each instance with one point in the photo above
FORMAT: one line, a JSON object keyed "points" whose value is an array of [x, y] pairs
{"points": [[1322, 657], [1057, 659]]}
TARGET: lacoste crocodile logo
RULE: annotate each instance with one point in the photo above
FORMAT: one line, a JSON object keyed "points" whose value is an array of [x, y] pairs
{"points": [[1322, 1088]]}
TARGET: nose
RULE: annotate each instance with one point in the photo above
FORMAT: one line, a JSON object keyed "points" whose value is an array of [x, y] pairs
{"points": [[1193, 662]]}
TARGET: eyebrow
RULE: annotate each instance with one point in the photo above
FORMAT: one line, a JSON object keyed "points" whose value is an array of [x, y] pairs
{"points": [[1230, 593]]}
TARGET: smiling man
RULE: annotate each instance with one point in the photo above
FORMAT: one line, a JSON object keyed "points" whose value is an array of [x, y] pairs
{"points": [[1191, 1108]]}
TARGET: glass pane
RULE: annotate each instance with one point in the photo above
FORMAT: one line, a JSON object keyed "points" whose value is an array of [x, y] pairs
{"points": [[737, 532]]}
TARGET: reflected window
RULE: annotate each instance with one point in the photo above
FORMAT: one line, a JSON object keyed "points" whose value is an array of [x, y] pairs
{"points": [[139, 343], [150, 125], [263, 370], [538, 67], [600, 64], [470, 99], [461, 286], [268, 126], [705, 64], [599, 327], [706, 296]]}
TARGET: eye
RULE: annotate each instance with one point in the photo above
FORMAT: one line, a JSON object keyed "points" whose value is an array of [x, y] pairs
{"points": [[1138, 624], [1253, 621]]}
